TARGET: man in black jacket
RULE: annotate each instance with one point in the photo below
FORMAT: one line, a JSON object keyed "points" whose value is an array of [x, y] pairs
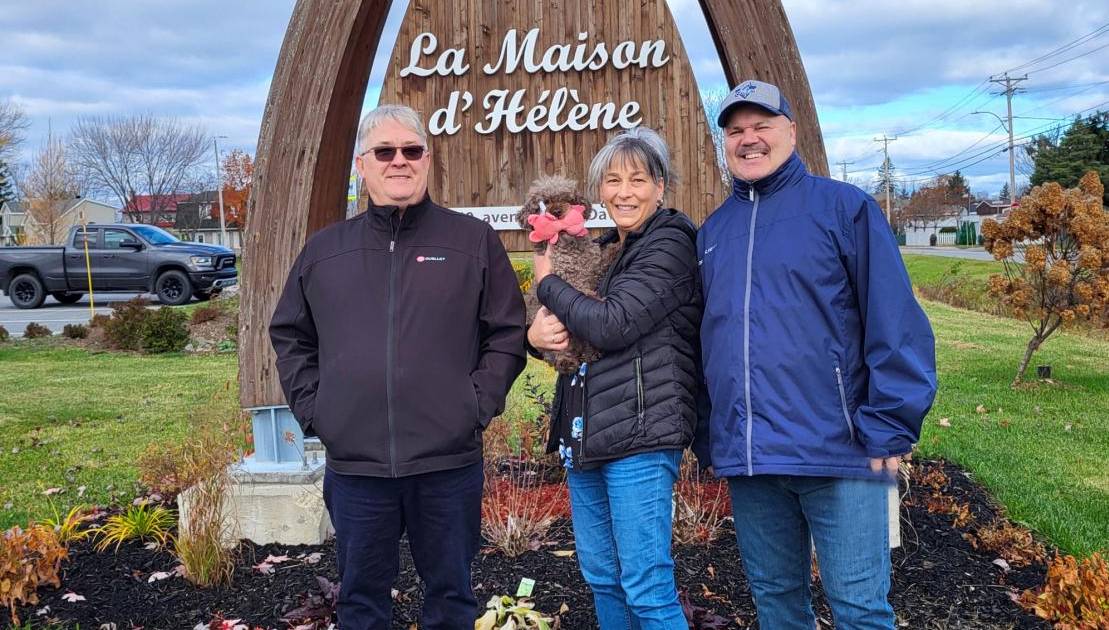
{"points": [[398, 336]]}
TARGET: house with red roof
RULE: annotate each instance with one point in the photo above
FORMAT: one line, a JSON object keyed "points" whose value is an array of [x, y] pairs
{"points": [[160, 210]]}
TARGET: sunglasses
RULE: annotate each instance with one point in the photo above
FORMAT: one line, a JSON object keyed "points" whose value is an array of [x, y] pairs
{"points": [[386, 154]]}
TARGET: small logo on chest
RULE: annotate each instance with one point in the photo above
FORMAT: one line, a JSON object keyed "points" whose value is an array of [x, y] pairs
{"points": [[422, 259]]}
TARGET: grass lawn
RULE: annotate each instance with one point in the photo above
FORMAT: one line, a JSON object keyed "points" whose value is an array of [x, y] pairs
{"points": [[69, 418], [925, 269], [1042, 449]]}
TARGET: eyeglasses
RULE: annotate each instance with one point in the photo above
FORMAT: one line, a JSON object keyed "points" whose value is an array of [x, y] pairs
{"points": [[386, 154]]}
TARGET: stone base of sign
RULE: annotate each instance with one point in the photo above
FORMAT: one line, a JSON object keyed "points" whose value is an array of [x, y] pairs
{"points": [[272, 503]]}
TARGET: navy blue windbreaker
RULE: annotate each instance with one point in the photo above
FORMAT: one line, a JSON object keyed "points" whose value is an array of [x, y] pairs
{"points": [[816, 353]]}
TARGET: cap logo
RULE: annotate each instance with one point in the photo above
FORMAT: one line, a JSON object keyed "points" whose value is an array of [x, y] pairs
{"points": [[745, 90]]}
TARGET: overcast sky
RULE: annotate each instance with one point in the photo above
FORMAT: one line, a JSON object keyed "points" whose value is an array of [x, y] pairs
{"points": [[876, 67]]}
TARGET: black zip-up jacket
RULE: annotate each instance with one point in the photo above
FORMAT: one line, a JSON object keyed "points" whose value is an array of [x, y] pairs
{"points": [[642, 394], [398, 338]]}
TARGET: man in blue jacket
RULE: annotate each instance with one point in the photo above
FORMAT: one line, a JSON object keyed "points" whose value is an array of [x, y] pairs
{"points": [[820, 366]]}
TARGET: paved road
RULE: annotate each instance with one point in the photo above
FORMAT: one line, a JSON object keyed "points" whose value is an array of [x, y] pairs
{"points": [[973, 253], [54, 315]]}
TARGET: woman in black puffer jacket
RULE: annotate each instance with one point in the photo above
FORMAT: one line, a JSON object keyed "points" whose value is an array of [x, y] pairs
{"points": [[620, 423]]}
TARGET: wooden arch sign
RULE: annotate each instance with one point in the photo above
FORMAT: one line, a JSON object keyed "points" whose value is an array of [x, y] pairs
{"points": [[602, 65]]}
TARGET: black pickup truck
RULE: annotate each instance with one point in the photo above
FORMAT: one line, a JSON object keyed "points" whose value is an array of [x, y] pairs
{"points": [[122, 258]]}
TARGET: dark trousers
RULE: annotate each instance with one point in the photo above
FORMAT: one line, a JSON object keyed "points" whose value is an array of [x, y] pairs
{"points": [[440, 511]]}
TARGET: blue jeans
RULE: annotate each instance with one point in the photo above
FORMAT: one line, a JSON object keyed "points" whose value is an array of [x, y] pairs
{"points": [[776, 516], [622, 515]]}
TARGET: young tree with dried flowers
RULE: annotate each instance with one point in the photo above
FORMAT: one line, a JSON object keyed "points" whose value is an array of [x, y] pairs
{"points": [[1064, 235]]}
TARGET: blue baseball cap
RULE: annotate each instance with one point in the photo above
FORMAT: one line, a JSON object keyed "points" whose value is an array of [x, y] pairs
{"points": [[765, 95]]}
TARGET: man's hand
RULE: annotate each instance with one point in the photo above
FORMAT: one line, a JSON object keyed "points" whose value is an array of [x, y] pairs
{"points": [[890, 464], [547, 333], [542, 264]]}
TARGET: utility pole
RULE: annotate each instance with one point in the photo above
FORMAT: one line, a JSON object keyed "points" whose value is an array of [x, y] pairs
{"points": [[886, 167], [1010, 89], [219, 187], [844, 165]]}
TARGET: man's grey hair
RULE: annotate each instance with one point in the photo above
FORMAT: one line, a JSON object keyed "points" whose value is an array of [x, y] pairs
{"points": [[639, 145], [398, 113]]}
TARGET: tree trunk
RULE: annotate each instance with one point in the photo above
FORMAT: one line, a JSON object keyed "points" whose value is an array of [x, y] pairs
{"points": [[1033, 345]]}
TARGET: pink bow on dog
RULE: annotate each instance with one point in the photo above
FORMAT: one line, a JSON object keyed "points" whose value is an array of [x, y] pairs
{"points": [[547, 227]]}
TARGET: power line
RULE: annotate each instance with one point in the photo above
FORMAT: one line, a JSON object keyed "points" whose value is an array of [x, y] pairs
{"points": [[1068, 60], [984, 85], [995, 149], [1064, 48]]}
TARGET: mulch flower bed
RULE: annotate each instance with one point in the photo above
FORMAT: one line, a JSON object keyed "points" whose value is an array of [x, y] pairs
{"points": [[940, 580]]}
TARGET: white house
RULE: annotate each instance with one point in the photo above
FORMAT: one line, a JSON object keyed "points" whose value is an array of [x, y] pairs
{"points": [[12, 216], [920, 230], [73, 211]]}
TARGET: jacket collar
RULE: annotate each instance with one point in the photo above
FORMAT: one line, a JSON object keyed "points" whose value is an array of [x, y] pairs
{"points": [[386, 217], [792, 170], [612, 236]]}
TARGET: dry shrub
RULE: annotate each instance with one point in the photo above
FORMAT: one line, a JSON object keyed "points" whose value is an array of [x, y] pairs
{"points": [[165, 331], [35, 330], [124, 329], [938, 501], [1075, 595], [75, 331], [517, 511], [701, 505], [99, 320], [1065, 273], [199, 467], [28, 559], [4, 335], [1013, 543], [206, 314]]}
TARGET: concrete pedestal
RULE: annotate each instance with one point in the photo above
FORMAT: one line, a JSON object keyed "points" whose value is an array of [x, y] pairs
{"points": [[273, 503]]}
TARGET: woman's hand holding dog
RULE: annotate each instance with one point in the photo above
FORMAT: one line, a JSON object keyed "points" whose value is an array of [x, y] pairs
{"points": [[542, 263], [546, 332]]}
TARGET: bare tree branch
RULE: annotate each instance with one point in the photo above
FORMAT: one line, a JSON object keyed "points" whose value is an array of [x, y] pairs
{"points": [[12, 123], [140, 155], [49, 188]]}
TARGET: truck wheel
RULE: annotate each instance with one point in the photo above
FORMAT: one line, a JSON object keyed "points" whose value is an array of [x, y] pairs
{"points": [[26, 291], [67, 298], [173, 288]]}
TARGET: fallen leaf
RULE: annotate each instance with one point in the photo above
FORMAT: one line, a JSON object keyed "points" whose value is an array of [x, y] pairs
{"points": [[42, 612], [151, 546], [945, 422], [1004, 423], [80, 491], [313, 557], [50, 491], [1002, 563], [981, 409], [564, 553], [72, 597], [1067, 426], [712, 572], [563, 609]]}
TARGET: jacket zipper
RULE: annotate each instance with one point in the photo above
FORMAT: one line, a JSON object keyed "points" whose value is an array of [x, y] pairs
{"points": [[843, 402], [584, 416], [639, 391], [754, 197], [389, 357]]}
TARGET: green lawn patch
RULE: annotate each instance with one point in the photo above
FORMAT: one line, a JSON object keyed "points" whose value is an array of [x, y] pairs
{"points": [[1041, 449], [70, 418]]}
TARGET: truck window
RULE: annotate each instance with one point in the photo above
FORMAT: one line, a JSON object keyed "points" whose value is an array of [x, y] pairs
{"points": [[79, 237], [112, 238]]}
